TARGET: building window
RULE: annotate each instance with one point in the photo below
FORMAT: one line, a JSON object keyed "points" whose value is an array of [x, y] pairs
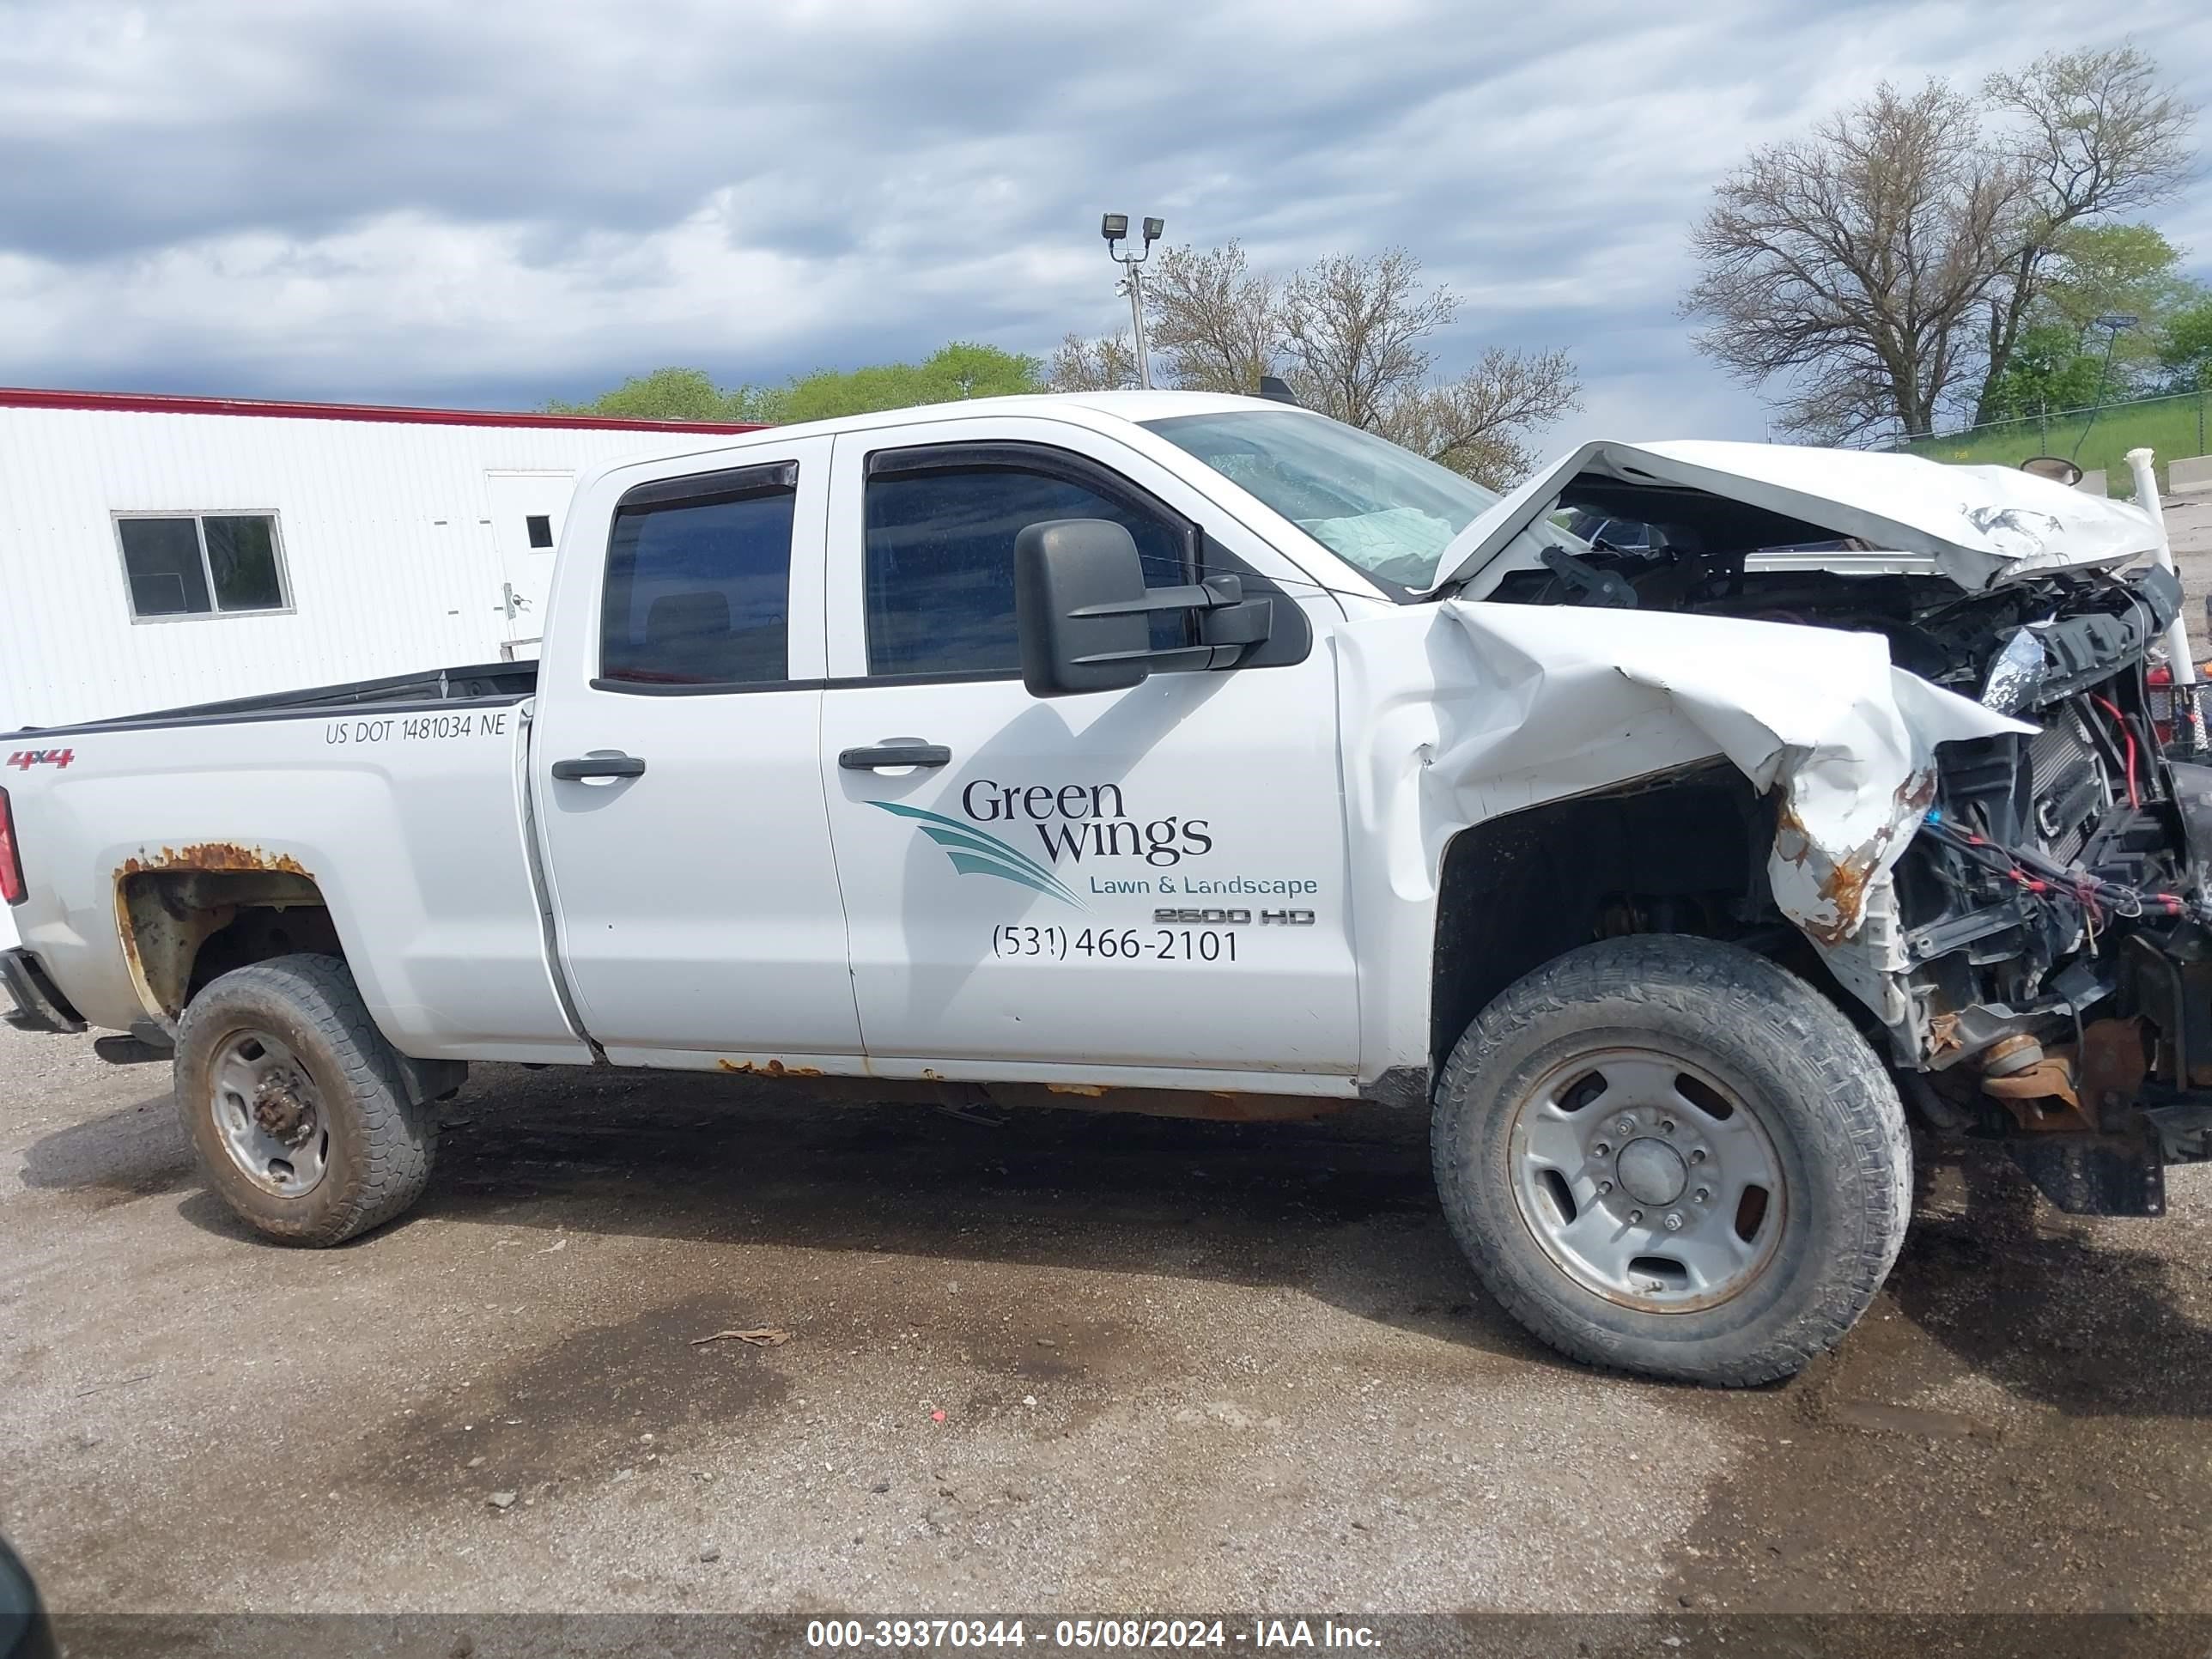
{"points": [[202, 564], [540, 527]]}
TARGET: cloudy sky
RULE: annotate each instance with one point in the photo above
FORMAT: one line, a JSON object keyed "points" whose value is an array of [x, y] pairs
{"points": [[489, 203]]}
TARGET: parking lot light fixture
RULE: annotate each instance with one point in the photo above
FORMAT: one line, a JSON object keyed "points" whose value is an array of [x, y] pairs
{"points": [[1115, 227]]}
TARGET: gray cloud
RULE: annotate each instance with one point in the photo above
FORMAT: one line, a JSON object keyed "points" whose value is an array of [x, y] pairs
{"points": [[497, 202]]}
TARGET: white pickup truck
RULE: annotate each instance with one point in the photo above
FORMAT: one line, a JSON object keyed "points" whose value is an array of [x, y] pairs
{"points": [[1194, 754]]}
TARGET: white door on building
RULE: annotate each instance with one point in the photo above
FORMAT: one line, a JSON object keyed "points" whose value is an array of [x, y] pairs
{"points": [[527, 512]]}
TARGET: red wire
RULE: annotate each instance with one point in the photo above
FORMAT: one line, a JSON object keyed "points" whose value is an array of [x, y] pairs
{"points": [[2127, 733]]}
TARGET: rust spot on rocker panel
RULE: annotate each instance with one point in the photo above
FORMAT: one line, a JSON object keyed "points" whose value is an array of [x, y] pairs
{"points": [[765, 1068]]}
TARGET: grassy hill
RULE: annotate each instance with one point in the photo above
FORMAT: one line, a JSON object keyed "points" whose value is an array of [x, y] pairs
{"points": [[2172, 427]]}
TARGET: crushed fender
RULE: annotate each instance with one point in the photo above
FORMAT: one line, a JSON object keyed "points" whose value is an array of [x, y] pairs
{"points": [[1459, 712]]}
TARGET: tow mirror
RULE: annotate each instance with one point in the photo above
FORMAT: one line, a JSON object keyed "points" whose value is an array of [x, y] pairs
{"points": [[2057, 467], [1084, 614]]}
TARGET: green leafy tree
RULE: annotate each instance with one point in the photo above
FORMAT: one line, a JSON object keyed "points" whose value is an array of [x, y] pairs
{"points": [[2100, 269], [677, 394], [2050, 370], [2090, 135], [2185, 348], [954, 372], [957, 371], [2063, 359]]}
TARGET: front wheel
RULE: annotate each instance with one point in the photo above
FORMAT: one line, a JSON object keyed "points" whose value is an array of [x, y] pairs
{"points": [[298, 1108], [1670, 1156]]}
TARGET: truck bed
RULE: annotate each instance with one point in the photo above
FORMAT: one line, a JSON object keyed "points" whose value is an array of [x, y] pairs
{"points": [[498, 681], [398, 805]]}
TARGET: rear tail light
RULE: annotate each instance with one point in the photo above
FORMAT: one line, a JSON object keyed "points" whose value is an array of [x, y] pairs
{"points": [[11, 863]]}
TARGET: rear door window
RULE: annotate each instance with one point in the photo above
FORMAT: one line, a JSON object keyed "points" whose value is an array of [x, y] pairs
{"points": [[698, 581]]}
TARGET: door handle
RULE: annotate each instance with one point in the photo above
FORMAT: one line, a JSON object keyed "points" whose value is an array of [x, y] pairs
{"points": [[902, 753], [597, 766]]}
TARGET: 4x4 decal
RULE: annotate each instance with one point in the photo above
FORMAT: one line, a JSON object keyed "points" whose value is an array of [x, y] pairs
{"points": [[973, 853], [24, 759]]}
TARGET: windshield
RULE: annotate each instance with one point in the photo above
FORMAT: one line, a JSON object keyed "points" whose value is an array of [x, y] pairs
{"points": [[1376, 507]]}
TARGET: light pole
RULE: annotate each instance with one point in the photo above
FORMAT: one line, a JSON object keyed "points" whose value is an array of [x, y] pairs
{"points": [[1115, 227]]}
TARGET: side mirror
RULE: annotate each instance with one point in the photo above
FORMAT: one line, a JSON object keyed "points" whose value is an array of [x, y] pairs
{"points": [[1084, 614]]}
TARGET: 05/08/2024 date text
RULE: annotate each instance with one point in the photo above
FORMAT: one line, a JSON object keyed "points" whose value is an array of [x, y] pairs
{"points": [[1013, 942]]}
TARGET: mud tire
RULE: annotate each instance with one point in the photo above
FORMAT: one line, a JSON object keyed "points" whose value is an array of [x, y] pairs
{"points": [[1823, 1096], [381, 1145]]}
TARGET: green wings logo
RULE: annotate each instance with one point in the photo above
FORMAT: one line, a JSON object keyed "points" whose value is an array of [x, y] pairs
{"points": [[973, 853]]}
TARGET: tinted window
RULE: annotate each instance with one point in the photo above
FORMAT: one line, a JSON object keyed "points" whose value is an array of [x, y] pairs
{"points": [[940, 565], [698, 591], [242, 558], [196, 565], [162, 556]]}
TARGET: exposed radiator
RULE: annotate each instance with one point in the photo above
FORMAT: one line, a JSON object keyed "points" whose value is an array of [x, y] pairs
{"points": [[2069, 790]]}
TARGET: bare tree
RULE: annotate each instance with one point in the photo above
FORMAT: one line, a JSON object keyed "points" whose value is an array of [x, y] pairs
{"points": [[1889, 262], [1853, 260], [1355, 330], [1218, 324], [1108, 363], [1350, 333], [1479, 424], [2092, 135]]}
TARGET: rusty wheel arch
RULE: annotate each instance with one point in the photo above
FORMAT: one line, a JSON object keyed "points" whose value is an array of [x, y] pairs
{"points": [[185, 914]]}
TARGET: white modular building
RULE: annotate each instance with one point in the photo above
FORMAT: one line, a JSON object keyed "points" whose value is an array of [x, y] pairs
{"points": [[158, 551]]}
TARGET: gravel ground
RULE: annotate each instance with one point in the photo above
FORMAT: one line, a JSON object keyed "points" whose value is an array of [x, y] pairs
{"points": [[1065, 1360]]}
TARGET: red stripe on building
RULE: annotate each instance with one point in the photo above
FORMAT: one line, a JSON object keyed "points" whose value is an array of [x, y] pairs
{"points": [[155, 402]]}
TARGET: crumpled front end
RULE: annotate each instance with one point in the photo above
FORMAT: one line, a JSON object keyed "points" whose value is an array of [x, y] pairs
{"points": [[1961, 799], [1476, 709], [1816, 718], [2006, 869], [1508, 707]]}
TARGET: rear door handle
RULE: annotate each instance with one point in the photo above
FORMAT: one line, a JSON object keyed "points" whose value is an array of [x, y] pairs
{"points": [[894, 754], [597, 766]]}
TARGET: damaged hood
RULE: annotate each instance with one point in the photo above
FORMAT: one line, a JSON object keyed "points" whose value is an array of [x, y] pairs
{"points": [[1460, 712], [1980, 526]]}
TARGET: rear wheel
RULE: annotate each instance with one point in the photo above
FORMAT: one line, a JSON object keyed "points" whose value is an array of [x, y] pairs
{"points": [[296, 1105], [1670, 1156]]}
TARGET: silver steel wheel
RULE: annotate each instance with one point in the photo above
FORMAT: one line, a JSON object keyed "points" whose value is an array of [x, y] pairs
{"points": [[267, 1115], [1647, 1178]]}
